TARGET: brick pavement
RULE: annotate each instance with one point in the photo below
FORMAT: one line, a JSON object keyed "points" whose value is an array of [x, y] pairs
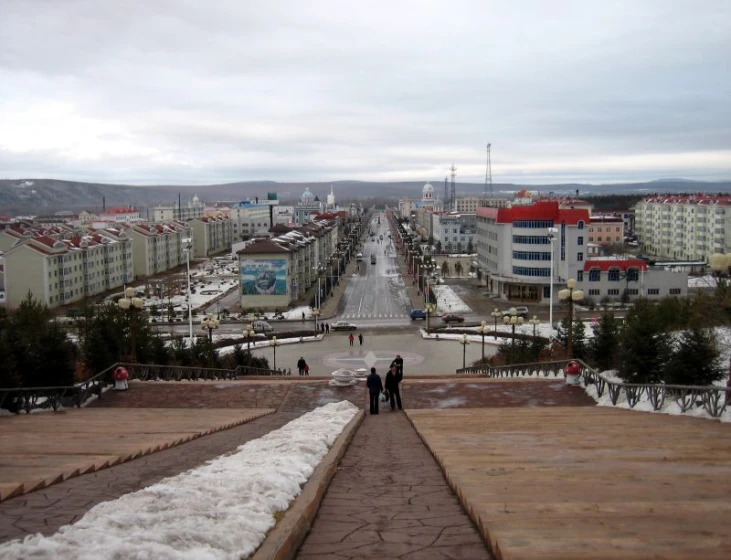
{"points": [[45, 511], [389, 499]]}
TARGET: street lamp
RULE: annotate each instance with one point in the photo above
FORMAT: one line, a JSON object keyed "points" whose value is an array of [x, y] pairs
{"points": [[464, 341], [188, 247], [131, 303], [571, 295], [210, 323], [315, 315], [483, 331], [513, 320], [273, 343], [535, 321], [248, 333], [495, 314], [429, 310], [551, 234]]}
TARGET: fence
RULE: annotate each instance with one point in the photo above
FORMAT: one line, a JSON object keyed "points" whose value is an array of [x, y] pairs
{"points": [[712, 399]]}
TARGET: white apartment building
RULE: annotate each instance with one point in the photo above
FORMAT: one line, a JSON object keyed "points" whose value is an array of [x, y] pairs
{"points": [[178, 212], [467, 204], [249, 219], [158, 248], [455, 232], [617, 278], [64, 271], [211, 235], [120, 216], [684, 227]]}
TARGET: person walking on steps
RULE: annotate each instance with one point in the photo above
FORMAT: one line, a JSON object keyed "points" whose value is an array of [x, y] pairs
{"points": [[360, 338], [351, 338], [375, 386], [393, 380], [301, 365], [399, 361]]}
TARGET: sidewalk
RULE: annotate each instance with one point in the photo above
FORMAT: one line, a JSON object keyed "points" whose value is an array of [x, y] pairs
{"points": [[389, 499]]}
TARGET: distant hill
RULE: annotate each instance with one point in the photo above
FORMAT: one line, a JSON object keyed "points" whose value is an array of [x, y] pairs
{"points": [[46, 196]]}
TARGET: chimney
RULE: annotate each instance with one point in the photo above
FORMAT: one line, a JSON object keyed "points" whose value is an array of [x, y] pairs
{"points": [[104, 204]]}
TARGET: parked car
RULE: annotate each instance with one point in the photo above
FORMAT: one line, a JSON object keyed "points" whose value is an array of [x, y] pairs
{"points": [[359, 257], [373, 259], [344, 326], [522, 311], [452, 318], [417, 314], [261, 326]]}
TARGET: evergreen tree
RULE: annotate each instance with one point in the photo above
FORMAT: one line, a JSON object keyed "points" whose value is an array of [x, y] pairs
{"points": [[562, 333], [645, 346], [578, 340], [9, 377], [696, 360], [603, 347]]}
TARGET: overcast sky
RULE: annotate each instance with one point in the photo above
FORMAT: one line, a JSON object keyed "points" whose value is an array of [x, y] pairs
{"points": [[194, 92]]}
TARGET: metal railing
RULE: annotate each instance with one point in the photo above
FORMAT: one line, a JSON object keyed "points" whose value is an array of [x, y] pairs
{"points": [[712, 399], [28, 399]]}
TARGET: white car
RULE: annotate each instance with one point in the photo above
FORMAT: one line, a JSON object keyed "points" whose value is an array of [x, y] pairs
{"points": [[344, 326]]}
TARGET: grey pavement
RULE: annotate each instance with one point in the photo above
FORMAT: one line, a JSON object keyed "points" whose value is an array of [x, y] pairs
{"points": [[389, 499], [421, 357]]}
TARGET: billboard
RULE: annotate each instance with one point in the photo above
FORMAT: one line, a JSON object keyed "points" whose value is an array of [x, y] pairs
{"points": [[264, 277]]}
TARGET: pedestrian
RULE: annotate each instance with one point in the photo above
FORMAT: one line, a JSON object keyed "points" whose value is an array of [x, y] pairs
{"points": [[351, 338], [307, 370], [301, 364], [322, 327], [375, 386], [399, 361], [327, 328], [360, 338], [303, 316], [393, 380]]}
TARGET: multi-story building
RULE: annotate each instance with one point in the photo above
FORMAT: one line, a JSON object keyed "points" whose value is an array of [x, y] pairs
{"points": [[211, 235], [468, 204], [158, 248], [308, 206], [606, 231], [120, 216], [454, 232], [685, 227], [250, 218], [618, 278], [64, 271], [178, 212]]}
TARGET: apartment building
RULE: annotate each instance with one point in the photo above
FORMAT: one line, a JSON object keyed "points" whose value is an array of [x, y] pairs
{"points": [[619, 278], [684, 227], [158, 248], [606, 231], [64, 271], [249, 218], [454, 232], [211, 235], [178, 212], [121, 215]]}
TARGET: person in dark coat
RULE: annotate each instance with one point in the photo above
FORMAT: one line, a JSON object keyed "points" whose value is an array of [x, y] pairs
{"points": [[360, 338], [327, 328], [399, 361], [301, 365], [393, 380], [375, 386]]}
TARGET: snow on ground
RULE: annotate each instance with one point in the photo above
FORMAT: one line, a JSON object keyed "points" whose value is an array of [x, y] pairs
{"points": [[448, 301], [222, 509], [707, 281]]}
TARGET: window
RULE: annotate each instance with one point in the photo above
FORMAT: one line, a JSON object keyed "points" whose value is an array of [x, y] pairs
{"points": [[599, 238], [653, 292], [595, 275], [633, 291], [595, 292], [581, 225], [632, 275], [580, 276], [580, 240], [613, 292], [674, 291], [579, 257]]}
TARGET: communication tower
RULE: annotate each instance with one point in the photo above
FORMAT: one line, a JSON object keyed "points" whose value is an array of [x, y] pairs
{"points": [[453, 200], [488, 173]]}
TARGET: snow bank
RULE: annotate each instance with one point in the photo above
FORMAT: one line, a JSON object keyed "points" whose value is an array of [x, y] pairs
{"points": [[222, 509]]}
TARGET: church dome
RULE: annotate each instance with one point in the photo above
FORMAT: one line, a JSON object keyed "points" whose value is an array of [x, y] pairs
{"points": [[307, 196], [428, 189]]}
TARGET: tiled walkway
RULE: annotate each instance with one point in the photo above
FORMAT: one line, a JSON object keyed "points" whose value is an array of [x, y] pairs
{"points": [[389, 499]]}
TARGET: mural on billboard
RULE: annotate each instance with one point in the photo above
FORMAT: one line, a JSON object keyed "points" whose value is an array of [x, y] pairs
{"points": [[264, 277]]}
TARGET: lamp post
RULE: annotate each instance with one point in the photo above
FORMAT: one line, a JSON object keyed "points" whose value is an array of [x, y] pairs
{"points": [[513, 320], [495, 315], [570, 294], [210, 324], [464, 341], [483, 330], [429, 310], [248, 333], [535, 321], [133, 304], [188, 247], [551, 233], [315, 315], [273, 343]]}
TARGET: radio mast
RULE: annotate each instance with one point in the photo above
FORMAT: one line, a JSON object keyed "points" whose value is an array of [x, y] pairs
{"points": [[488, 173], [453, 197]]}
